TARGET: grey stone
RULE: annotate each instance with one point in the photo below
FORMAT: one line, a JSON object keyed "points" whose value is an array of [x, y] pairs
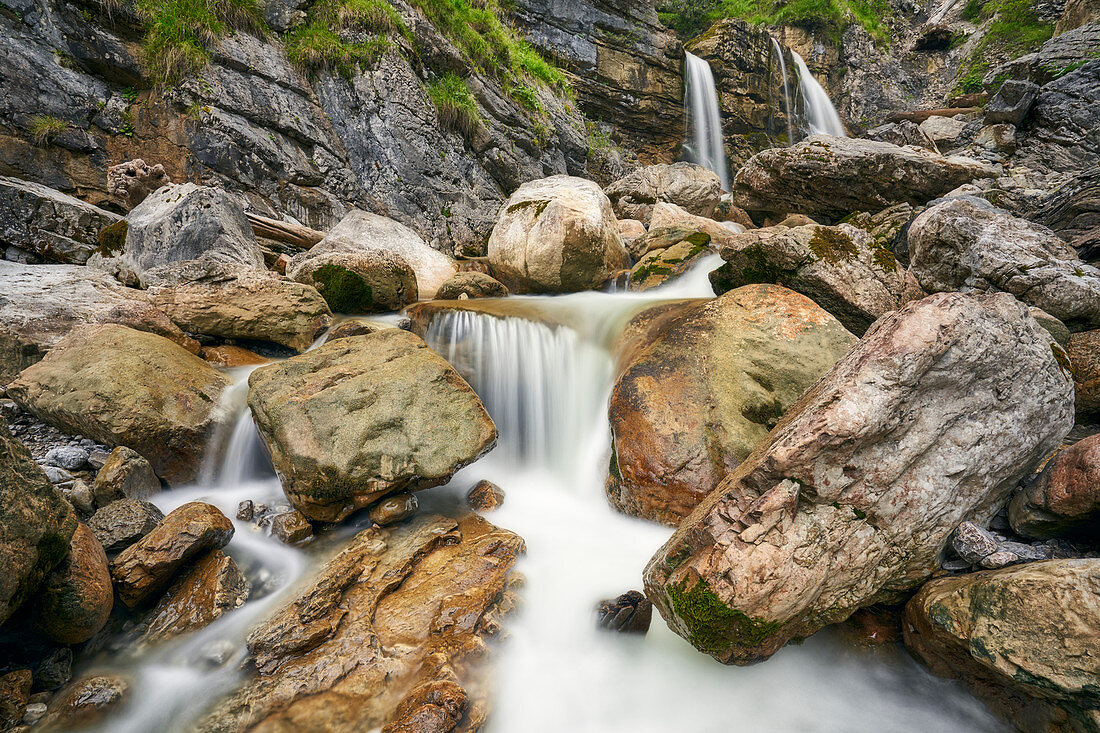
{"points": [[68, 457], [972, 543], [51, 224], [123, 522], [1012, 102]]}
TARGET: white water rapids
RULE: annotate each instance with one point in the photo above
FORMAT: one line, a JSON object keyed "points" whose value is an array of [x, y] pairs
{"points": [[706, 146], [546, 387]]}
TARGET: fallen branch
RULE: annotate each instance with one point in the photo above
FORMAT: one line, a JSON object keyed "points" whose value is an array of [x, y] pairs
{"points": [[281, 231]]}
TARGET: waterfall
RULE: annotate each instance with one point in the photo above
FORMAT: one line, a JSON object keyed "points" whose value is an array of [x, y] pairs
{"points": [[706, 145], [821, 115], [786, 91]]}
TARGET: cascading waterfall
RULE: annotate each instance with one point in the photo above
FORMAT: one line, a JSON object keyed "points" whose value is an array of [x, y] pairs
{"points": [[706, 146], [786, 91], [821, 115]]}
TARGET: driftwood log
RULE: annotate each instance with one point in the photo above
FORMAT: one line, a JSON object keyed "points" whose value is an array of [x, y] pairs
{"points": [[281, 231], [921, 115]]}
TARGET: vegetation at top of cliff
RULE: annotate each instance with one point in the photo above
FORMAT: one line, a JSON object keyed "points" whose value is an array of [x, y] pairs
{"points": [[689, 18], [180, 33], [1014, 29], [343, 35]]}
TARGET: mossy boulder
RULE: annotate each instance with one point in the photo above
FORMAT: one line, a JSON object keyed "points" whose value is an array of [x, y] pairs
{"points": [[75, 601], [701, 384], [661, 265], [368, 281], [362, 417], [36, 524]]}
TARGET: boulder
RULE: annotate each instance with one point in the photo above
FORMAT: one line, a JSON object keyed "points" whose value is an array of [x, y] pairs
{"points": [[966, 243], [930, 420], [69, 457], [1012, 102], [141, 315], [351, 327], [364, 281], [667, 263], [212, 587], [1023, 639], [360, 231], [129, 183], [123, 522], [393, 509], [15, 692], [485, 496], [670, 215], [125, 475], [75, 600], [230, 356], [52, 225], [471, 285], [362, 417], [291, 528], [943, 131], [1083, 351], [119, 386], [180, 224], [629, 230], [1064, 499], [629, 613], [832, 177], [85, 702], [36, 524], [701, 383], [244, 303], [556, 234], [145, 568], [691, 186], [844, 269], [902, 132], [403, 608], [40, 304]]}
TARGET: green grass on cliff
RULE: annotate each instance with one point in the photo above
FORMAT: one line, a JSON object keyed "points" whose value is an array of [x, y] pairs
{"points": [[1013, 31], [690, 18], [180, 33], [454, 104], [344, 35]]}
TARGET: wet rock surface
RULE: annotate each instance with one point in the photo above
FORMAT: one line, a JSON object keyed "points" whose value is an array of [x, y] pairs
{"points": [[402, 609], [211, 587], [380, 413], [484, 496], [393, 509], [629, 613], [291, 528], [76, 598], [862, 500], [122, 522], [1064, 499]]}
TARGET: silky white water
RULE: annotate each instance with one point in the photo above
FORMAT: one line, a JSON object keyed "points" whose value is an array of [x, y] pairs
{"points": [[821, 115], [786, 91], [706, 146]]}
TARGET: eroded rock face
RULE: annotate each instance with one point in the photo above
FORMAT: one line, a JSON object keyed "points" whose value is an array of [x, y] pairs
{"points": [[143, 569], [835, 176], [180, 224], [362, 417], [52, 225], [670, 215], [397, 609], [36, 524], [701, 384], [76, 599], [40, 304], [1023, 638], [966, 243], [213, 586], [695, 188], [360, 232], [844, 269], [556, 234], [931, 419], [119, 386], [241, 302], [1065, 498], [131, 182]]}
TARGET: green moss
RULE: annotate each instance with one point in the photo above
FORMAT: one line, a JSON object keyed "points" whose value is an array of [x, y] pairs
{"points": [[613, 466], [344, 290], [454, 104], [180, 33], [689, 18], [758, 269], [714, 627], [112, 238], [832, 245], [1014, 30], [884, 257]]}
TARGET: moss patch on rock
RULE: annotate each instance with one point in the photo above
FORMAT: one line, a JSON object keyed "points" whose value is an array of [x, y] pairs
{"points": [[344, 290], [713, 626], [832, 245], [112, 238]]}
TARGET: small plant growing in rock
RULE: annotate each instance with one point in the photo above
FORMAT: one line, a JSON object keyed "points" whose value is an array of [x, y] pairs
{"points": [[44, 128], [454, 104]]}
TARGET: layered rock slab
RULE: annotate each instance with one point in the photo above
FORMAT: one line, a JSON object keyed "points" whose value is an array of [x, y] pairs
{"points": [[398, 613], [362, 417], [701, 384], [930, 420]]}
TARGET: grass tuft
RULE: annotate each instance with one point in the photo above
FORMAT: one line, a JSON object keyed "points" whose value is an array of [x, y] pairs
{"points": [[1014, 30], [317, 46], [180, 33], [44, 128], [689, 18], [454, 104]]}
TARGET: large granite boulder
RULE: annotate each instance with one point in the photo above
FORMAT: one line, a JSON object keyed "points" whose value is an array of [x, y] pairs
{"points": [[36, 524], [179, 224], [53, 225], [556, 235], [75, 600], [365, 281], [245, 303], [362, 417], [1024, 639], [966, 243], [1064, 499], [832, 177], [39, 304], [119, 386], [931, 419], [691, 186], [701, 384], [407, 611], [361, 231], [844, 269]]}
